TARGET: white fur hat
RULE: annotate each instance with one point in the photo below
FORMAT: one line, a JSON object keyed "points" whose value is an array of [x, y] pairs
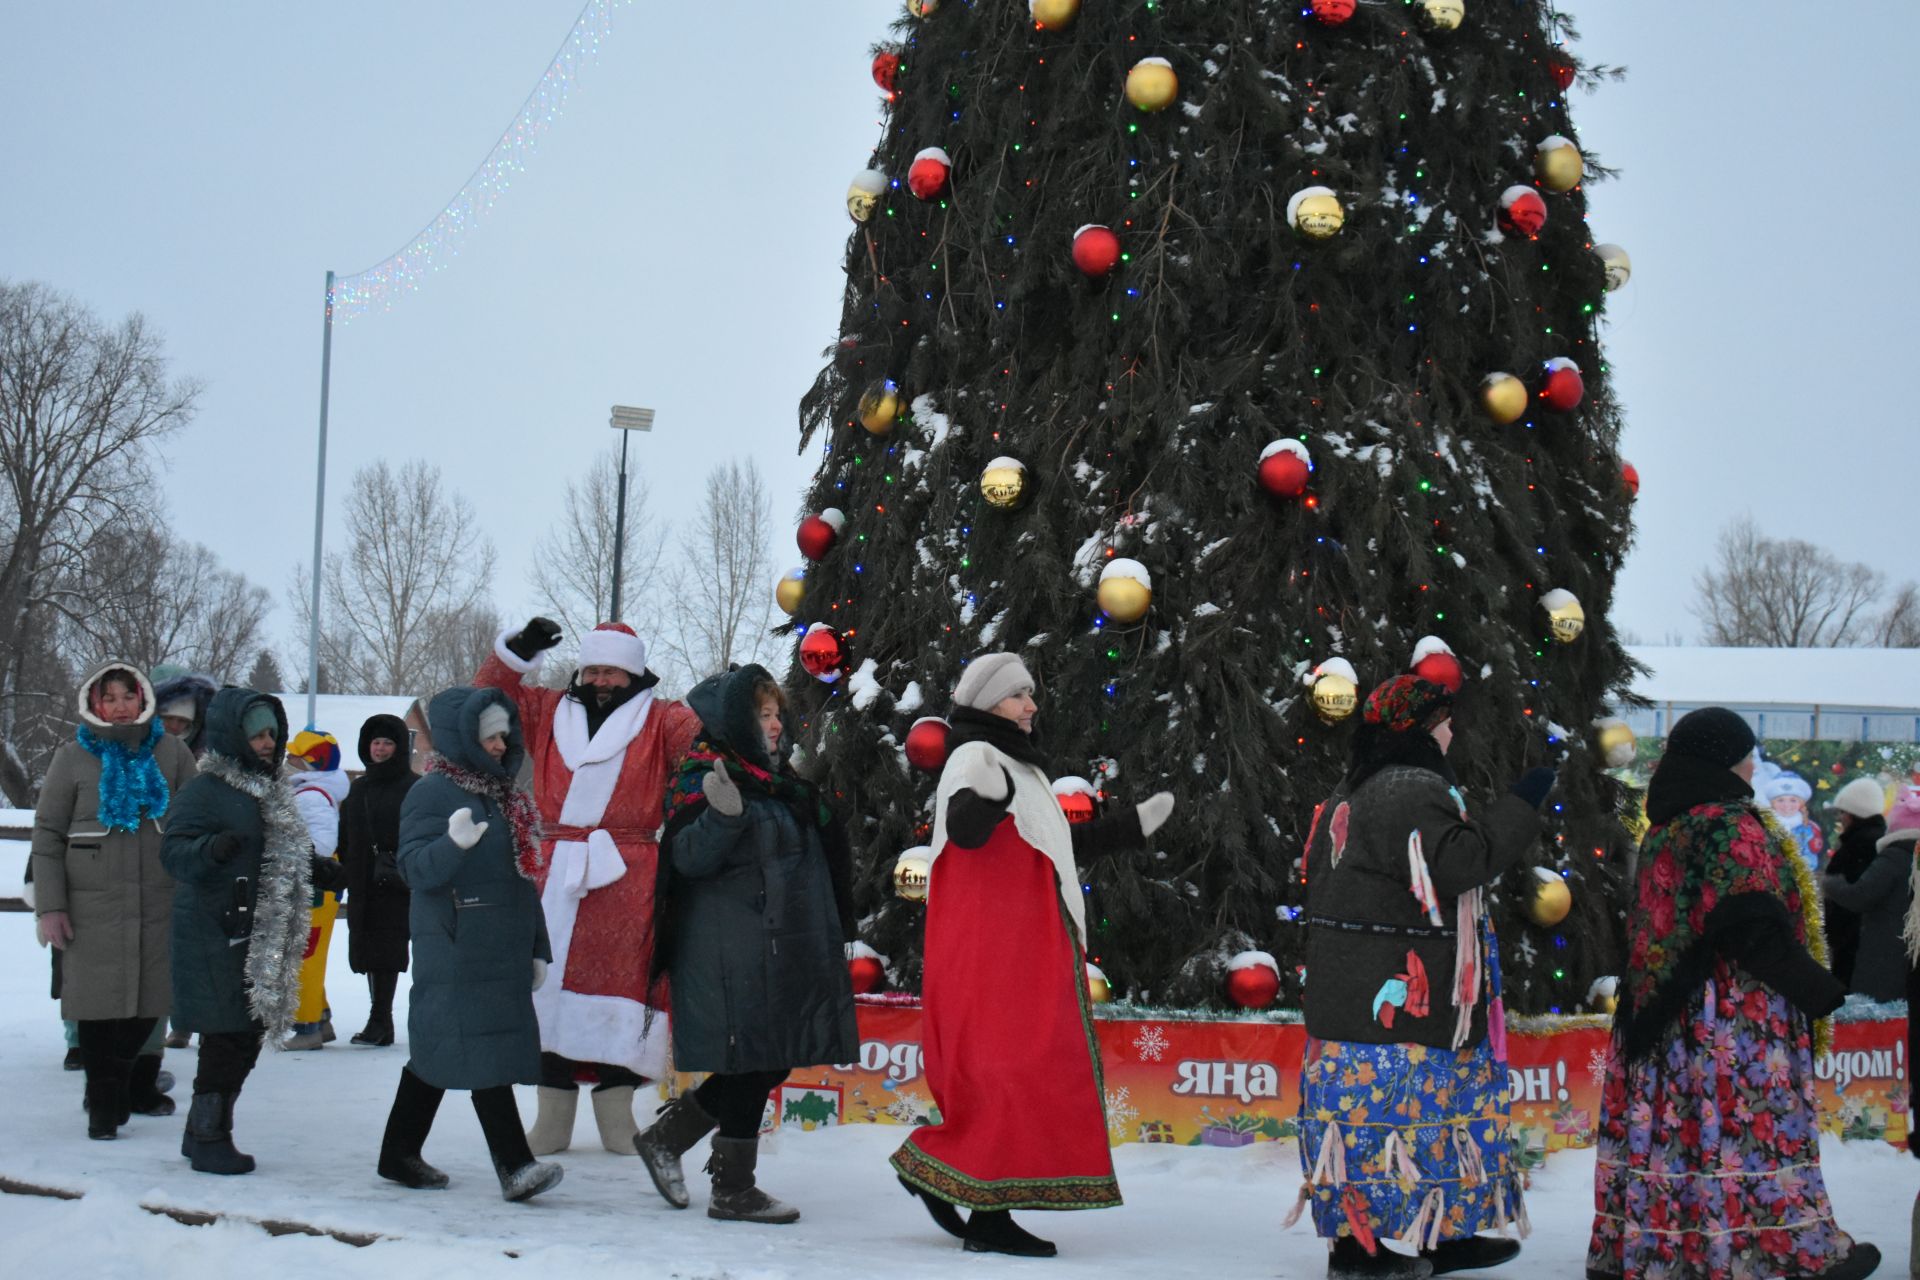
{"points": [[613, 644], [989, 678], [1862, 798]]}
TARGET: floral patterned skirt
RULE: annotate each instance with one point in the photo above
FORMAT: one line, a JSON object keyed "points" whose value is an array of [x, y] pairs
{"points": [[1709, 1152], [1407, 1142]]}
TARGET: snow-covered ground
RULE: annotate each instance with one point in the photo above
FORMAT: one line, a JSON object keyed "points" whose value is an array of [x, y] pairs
{"points": [[314, 1120]]}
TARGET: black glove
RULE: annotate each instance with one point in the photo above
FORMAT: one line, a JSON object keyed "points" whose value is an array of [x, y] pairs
{"points": [[1534, 785], [328, 875], [539, 635], [225, 847], [971, 817]]}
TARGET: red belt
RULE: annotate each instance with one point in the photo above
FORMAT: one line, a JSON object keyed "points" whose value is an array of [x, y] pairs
{"points": [[557, 833]]}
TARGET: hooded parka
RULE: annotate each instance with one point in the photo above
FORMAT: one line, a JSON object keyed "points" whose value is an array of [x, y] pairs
{"points": [[110, 882], [475, 916], [377, 898]]}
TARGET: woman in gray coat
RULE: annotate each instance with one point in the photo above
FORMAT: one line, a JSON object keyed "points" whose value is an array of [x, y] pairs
{"points": [[756, 903], [469, 850], [101, 893]]}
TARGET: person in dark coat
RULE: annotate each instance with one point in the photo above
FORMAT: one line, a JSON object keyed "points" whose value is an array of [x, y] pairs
{"points": [[1876, 895], [757, 902], [245, 869], [1860, 822], [1403, 989], [377, 897], [469, 851], [183, 698]]}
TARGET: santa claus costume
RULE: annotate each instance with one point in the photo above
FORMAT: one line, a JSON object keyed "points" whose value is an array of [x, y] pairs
{"points": [[601, 761]]}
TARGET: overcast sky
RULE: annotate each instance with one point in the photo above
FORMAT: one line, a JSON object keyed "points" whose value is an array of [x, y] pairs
{"points": [[676, 243]]}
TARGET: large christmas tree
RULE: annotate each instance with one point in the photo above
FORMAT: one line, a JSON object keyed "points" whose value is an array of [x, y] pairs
{"points": [[1134, 411]]}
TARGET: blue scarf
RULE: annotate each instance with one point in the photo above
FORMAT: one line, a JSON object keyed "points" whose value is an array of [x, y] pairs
{"points": [[130, 779]]}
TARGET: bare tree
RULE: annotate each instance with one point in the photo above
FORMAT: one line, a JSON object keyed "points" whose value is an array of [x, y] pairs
{"points": [[573, 561], [158, 600], [414, 565], [719, 600], [1784, 593], [461, 641], [1899, 626], [81, 405]]}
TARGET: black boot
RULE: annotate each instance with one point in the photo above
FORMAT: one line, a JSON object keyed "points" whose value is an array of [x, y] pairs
{"points": [[409, 1122], [944, 1215], [209, 1137], [680, 1124], [103, 1102], [995, 1231], [144, 1088], [735, 1197], [1350, 1261], [1470, 1253], [1861, 1261], [379, 1029], [521, 1176]]}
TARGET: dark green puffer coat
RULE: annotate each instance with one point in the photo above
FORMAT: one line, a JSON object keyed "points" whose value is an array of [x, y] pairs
{"points": [[213, 902], [756, 940], [476, 921]]}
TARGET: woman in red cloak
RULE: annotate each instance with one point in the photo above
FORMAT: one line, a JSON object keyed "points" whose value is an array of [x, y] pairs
{"points": [[1011, 1058]]}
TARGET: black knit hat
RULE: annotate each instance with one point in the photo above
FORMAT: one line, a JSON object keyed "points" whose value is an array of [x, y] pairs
{"points": [[1713, 734]]}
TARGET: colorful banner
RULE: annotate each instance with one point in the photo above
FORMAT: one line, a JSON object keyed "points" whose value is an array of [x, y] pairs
{"points": [[1230, 1084]]}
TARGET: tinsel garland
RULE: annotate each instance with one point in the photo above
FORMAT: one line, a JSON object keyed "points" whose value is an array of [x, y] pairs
{"points": [[131, 783], [530, 852], [280, 912], [1810, 913]]}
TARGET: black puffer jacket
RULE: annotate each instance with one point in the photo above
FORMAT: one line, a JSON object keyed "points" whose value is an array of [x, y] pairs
{"points": [[755, 942], [1853, 852], [377, 898], [1364, 921]]}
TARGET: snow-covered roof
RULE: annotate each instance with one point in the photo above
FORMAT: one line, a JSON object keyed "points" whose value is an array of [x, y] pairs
{"points": [[342, 714], [1698, 675]]}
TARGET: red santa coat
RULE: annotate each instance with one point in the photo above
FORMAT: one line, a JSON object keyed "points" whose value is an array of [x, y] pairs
{"points": [[601, 804]]}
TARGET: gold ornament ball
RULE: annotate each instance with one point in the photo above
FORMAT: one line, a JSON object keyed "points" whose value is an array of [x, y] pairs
{"points": [[1004, 483], [1565, 614], [788, 594], [1618, 746], [1319, 215], [912, 874], [1099, 991], [1559, 165], [1552, 900], [1054, 14], [1618, 264], [864, 192], [1504, 398], [1443, 15], [879, 407], [1608, 1004], [1125, 599], [1152, 85], [1334, 698], [922, 8]]}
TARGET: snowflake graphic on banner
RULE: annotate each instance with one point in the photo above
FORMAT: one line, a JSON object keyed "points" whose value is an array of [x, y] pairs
{"points": [[1151, 1044], [1599, 1065], [1121, 1113]]}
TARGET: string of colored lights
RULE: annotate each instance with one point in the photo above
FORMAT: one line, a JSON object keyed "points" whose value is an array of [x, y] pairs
{"points": [[435, 245]]}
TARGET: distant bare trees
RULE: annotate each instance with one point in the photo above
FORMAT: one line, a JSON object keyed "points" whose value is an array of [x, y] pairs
{"points": [[719, 592], [1790, 594], [158, 600], [573, 561], [403, 599]]}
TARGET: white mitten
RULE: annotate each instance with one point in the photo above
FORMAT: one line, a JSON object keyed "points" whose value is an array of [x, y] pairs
{"points": [[463, 830], [1154, 812], [539, 973]]}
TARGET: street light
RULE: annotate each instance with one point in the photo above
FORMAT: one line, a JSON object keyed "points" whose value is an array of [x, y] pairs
{"points": [[626, 420]]}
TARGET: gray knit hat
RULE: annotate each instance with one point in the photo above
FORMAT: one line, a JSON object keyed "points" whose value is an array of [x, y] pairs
{"points": [[989, 678], [494, 721]]}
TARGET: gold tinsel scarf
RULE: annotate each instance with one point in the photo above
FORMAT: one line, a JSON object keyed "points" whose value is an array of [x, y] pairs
{"points": [[1810, 913]]}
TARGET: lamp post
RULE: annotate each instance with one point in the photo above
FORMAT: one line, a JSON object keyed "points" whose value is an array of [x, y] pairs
{"points": [[626, 421]]}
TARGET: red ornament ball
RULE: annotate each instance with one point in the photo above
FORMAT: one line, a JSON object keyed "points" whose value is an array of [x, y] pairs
{"points": [[1838, 768], [1333, 12], [1442, 669], [822, 653], [867, 973], [1077, 805], [1253, 987], [886, 69], [927, 743], [1564, 387], [1522, 212], [1096, 250], [1630, 479], [1284, 472], [817, 534], [927, 179], [1560, 67]]}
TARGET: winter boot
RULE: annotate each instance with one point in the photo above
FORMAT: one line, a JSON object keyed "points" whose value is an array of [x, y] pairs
{"points": [[377, 1034], [1350, 1261], [179, 1039], [613, 1112], [209, 1138], [327, 1033], [163, 1080], [415, 1105], [735, 1197], [144, 1087], [944, 1215], [528, 1181], [1861, 1261], [103, 1102], [552, 1130], [1470, 1253], [679, 1126], [995, 1231], [74, 1061], [305, 1036]]}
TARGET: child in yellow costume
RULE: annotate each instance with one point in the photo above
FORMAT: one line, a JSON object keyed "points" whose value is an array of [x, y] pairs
{"points": [[319, 785]]}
